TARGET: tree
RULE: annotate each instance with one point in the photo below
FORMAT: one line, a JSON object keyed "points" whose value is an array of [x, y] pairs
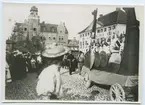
{"points": [[38, 42]]}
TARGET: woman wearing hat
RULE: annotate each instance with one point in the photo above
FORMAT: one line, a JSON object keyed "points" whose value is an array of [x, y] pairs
{"points": [[115, 58], [49, 80]]}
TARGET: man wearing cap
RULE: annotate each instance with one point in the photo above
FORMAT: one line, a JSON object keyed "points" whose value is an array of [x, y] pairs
{"points": [[49, 80], [70, 58]]}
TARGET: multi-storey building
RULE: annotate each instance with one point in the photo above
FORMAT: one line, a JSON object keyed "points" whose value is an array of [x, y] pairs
{"points": [[110, 24], [33, 27]]}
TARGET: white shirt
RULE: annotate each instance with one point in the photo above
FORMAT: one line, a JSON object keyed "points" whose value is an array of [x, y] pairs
{"points": [[49, 80], [106, 49]]}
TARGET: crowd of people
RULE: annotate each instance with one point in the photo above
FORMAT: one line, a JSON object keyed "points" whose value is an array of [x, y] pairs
{"points": [[48, 63], [109, 51], [115, 42], [20, 63], [73, 63]]}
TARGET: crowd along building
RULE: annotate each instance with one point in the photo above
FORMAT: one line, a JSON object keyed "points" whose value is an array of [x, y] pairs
{"points": [[113, 23], [32, 26]]}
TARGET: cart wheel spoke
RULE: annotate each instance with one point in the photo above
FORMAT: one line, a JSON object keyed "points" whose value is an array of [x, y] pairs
{"points": [[117, 93]]}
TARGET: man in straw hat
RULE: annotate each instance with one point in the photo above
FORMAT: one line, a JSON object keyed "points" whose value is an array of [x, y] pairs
{"points": [[49, 80]]}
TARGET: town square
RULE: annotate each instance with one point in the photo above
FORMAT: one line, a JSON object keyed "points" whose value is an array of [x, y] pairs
{"points": [[71, 52]]}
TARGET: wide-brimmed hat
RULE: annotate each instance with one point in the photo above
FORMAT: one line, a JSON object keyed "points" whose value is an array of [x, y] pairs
{"points": [[55, 51]]}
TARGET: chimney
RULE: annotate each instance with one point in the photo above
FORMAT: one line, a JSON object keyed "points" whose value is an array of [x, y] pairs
{"points": [[117, 9]]}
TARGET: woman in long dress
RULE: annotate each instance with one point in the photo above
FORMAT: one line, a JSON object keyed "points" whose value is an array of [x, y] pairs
{"points": [[49, 80]]}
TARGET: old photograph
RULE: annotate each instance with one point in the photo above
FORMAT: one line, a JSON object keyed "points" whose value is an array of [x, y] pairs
{"points": [[68, 52]]}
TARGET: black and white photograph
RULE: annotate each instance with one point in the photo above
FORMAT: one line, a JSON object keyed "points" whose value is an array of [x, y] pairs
{"points": [[71, 52]]}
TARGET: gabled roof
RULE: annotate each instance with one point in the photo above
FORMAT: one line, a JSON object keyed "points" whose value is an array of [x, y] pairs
{"points": [[66, 31], [116, 17], [88, 28]]}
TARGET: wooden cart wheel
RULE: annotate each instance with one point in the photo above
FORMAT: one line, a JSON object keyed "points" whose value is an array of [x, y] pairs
{"points": [[117, 93], [87, 81]]}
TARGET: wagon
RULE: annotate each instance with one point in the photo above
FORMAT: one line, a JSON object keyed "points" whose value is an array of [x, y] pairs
{"points": [[123, 83]]}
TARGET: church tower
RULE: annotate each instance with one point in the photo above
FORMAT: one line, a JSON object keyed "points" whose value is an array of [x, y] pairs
{"points": [[33, 22]]}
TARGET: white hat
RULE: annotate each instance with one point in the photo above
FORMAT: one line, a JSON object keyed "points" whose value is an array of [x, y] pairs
{"points": [[55, 51]]}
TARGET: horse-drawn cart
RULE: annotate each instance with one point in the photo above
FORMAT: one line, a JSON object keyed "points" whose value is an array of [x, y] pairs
{"points": [[123, 82]]}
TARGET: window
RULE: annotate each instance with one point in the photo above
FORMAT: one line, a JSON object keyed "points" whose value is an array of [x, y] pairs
{"points": [[25, 29], [110, 33], [88, 33], [105, 29], [80, 35], [86, 43], [34, 29], [109, 28], [49, 38], [61, 38], [52, 29], [101, 30], [98, 31], [53, 38]]}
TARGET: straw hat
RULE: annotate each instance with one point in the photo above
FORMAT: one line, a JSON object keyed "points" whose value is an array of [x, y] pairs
{"points": [[55, 51]]}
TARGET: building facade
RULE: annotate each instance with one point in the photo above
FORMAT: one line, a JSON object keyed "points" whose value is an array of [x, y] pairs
{"points": [[33, 27], [108, 25], [73, 44]]}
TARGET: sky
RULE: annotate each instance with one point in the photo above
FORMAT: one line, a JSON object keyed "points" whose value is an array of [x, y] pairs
{"points": [[75, 17]]}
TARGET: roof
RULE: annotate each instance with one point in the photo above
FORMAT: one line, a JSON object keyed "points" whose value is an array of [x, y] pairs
{"points": [[66, 31], [34, 9], [46, 27], [17, 27], [9, 42], [116, 17], [90, 26]]}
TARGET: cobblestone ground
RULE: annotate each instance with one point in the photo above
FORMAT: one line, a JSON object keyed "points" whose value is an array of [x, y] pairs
{"points": [[73, 87]]}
